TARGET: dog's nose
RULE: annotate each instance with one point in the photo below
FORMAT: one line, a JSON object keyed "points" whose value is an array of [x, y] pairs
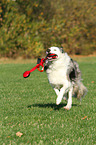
{"points": [[48, 50]]}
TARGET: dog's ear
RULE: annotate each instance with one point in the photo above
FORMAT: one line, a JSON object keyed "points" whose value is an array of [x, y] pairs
{"points": [[61, 49]]}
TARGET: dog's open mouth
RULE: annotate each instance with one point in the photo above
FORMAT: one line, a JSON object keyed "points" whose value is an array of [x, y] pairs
{"points": [[51, 56]]}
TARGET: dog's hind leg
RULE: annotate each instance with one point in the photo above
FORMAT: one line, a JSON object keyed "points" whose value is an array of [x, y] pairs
{"points": [[69, 103]]}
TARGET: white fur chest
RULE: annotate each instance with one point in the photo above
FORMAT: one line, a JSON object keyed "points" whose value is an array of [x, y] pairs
{"points": [[56, 77], [57, 71]]}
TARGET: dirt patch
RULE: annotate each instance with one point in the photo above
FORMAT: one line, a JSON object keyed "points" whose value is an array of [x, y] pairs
{"points": [[5, 60]]}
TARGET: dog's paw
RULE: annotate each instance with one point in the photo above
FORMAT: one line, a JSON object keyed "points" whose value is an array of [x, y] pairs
{"points": [[67, 107], [58, 101]]}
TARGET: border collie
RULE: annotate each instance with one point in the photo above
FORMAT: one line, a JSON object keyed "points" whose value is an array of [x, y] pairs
{"points": [[64, 76]]}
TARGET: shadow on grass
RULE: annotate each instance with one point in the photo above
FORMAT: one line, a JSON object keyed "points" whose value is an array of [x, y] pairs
{"points": [[53, 106]]}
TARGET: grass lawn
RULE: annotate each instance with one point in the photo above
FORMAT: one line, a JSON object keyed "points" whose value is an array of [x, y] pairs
{"points": [[28, 106]]}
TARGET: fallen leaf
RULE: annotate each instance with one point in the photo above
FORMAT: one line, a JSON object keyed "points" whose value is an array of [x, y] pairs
{"points": [[92, 82], [19, 134], [84, 117]]}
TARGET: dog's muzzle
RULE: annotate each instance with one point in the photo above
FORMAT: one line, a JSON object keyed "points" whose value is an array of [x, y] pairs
{"points": [[51, 56]]}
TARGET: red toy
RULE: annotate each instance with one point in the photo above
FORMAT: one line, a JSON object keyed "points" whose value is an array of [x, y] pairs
{"points": [[27, 73]]}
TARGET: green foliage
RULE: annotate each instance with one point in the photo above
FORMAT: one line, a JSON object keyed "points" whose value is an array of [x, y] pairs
{"points": [[18, 35], [29, 27]]}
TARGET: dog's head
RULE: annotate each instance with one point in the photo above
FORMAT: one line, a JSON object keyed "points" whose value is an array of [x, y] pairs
{"points": [[54, 53]]}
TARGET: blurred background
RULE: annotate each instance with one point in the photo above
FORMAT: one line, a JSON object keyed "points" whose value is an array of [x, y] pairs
{"points": [[29, 27]]}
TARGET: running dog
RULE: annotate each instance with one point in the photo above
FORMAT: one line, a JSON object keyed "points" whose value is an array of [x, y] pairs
{"points": [[64, 76]]}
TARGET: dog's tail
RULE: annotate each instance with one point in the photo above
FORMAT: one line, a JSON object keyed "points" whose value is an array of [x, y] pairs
{"points": [[79, 90]]}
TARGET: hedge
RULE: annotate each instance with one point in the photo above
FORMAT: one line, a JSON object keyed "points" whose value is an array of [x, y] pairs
{"points": [[28, 28]]}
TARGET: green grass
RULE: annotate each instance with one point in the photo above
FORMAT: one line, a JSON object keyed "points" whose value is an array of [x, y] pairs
{"points": [[28, 106]]}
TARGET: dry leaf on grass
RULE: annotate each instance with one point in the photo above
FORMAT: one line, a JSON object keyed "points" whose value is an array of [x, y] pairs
{"points": [[8, 136], [92, 82], [19, 134], [84, 117]]}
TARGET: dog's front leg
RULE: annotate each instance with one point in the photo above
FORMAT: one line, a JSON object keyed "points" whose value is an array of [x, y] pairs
{"points": [[56, 91], [60, 95], [69, 103]]}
